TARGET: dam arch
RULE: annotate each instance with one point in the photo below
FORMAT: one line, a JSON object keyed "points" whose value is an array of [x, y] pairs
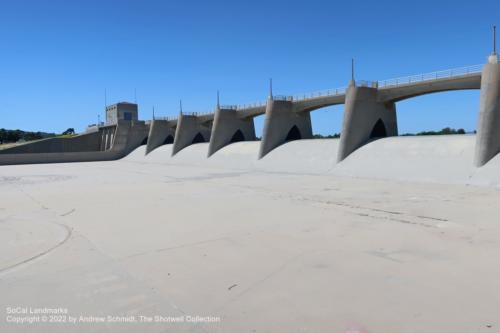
{"points": [[423, 113], [198, 138], [379, 130], [237, 137], [168, 140], [293, 134]]}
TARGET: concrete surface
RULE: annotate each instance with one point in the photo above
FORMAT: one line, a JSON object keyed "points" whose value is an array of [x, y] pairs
{"points": [[264, 250], [361, 114], [160, 132], [187, 130], [280, 120], [488, 128], [110, 143], [413, 89], [227, 123], [79, 143]]}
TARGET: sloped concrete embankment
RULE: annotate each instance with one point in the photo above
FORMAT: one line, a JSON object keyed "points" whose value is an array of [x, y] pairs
{"points": [[82, 148], [446, 159]]}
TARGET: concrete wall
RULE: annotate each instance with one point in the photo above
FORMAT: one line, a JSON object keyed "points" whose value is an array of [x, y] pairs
{"points": [[117, 112], [361, 113], [280, 119], [128, 136], [107, 137], [488, 129], [83, 142], [159, 131], [226, 123], [188, 127]]}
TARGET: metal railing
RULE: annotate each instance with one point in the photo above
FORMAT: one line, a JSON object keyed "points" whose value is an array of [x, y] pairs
{"points": [[449, 73], [166, 118], [365, 83], [250, 106], [323, 93], [229, 107], [299, 97], [198, 114], [282, 98]]}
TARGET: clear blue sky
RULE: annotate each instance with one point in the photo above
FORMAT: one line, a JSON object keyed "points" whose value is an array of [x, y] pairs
{"points": [[57, 57]]}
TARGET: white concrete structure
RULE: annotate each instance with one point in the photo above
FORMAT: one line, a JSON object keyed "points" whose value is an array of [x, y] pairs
{"points": [[290, 243]]}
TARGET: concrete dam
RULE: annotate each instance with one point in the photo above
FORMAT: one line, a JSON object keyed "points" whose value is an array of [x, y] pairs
{"points": [[192, 215], [370, 114]]}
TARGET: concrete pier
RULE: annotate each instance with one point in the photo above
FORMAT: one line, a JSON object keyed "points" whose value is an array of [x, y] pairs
{"points": [[370, 113], [107, 136], [365, 119], [488, 128], [161, 132], [190, 129], [283, 124], [229, 127]]}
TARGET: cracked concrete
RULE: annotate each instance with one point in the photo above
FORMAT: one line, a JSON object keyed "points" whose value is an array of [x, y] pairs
{"points": [[266, 251]]}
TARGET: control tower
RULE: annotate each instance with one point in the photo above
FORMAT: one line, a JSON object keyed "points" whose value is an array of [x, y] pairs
{"points": [[121, 111]]}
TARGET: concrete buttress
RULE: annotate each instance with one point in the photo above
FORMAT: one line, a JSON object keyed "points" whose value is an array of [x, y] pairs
{"points": [[365, 119], [283, 124]]}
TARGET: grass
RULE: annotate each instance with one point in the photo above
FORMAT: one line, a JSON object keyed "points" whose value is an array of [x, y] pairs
{"points": [[7, 145]]}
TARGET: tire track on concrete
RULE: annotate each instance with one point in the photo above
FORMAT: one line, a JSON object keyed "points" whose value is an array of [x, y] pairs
{"points": [[68, 230]]}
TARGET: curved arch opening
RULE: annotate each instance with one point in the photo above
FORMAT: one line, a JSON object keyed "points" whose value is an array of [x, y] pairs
{"points": [[169, 139], [198, 138], [237, 137], [434, 112], [145, 141], [379, 130], [293, 134]]}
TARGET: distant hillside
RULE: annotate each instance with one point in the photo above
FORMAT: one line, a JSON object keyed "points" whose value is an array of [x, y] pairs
{"points": [[10, 136], [444, 131]]}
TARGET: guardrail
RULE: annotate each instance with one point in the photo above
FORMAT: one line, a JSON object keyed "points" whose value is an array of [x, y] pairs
{"points": [[300, 97], [229, 107], [198, 114], [364, 83], [166, 118], [282, 98], [323, 93], [449, 73], [250, 106]]}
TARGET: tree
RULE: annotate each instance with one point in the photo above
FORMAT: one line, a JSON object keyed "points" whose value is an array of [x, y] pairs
{"points": [[69, 131]]}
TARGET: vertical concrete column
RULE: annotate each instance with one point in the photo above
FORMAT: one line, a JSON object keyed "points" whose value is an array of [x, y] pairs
{"points": [[365, 119], [160, 132], [282, 124], [102, 145], [228, 127], [488, 129], [189, 130], [122, 132], [108, 138]]}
